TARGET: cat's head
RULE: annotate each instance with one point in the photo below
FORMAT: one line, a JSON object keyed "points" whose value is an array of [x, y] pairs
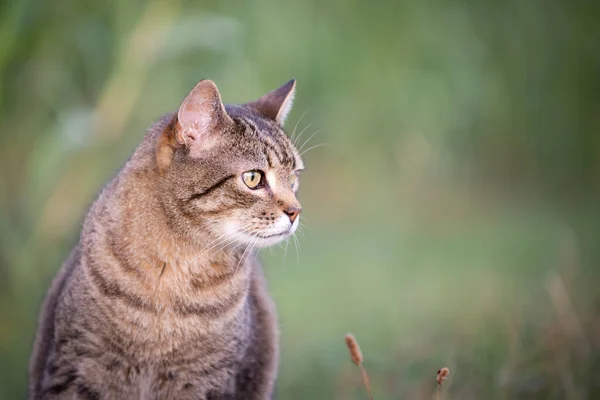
{"points": [[230, 171]]}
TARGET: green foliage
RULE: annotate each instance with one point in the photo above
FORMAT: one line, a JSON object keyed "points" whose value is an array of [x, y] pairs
{"points": [[453, 216]]}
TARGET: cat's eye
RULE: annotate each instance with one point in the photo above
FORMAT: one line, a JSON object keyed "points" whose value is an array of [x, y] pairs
{"points": [[253, 179], [294, 181]]}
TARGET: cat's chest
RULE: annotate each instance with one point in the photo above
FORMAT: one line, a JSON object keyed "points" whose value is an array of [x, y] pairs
{"points": [[185, 376], [170, 316], [159, 357], [155, 337]]}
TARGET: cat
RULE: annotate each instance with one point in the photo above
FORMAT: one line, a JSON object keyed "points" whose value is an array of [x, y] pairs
{"points": [[163, 296]]}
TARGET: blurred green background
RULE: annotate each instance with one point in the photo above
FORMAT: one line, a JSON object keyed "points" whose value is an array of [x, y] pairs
{"points": [[453, 219]]}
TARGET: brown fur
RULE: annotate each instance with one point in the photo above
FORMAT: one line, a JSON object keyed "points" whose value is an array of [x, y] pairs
{"points": [[163, 297]]}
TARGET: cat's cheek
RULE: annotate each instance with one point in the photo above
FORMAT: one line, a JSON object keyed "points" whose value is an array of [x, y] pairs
{"points": [[236, 233], [230, 228]]}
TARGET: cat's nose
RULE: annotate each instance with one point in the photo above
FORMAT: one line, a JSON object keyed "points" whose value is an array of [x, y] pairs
{"points": [[293, 213]]}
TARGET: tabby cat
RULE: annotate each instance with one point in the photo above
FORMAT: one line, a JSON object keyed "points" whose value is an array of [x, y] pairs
{"points": [[163, 297]]}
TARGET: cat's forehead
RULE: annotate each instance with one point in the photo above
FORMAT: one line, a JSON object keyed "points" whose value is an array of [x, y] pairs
{"points": [[264, 137]]}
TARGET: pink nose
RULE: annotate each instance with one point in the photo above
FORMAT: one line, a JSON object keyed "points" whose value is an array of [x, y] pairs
{"points": [[293, 213]]}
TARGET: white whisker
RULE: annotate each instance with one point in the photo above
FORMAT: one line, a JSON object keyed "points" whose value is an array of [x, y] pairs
{"points": [[296, 126], [308, 140], [305, 227], [224, 238], [313, 147], [249, 246], [301, 230], [297, 248], [285, 249], [300, 135]]}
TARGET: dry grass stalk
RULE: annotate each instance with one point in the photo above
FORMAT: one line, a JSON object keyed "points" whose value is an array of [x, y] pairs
{"points": [[441, 377], [354, 348], [357, 358]]}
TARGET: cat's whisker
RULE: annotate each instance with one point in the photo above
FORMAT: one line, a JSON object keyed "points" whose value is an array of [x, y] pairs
{"points": [[308, 140], [313, 147], [233, 239], [302, 224], [224, 243], [219, 220], [251, 244], [221, 245], [232, 236], [297, 245], [224, 238], [300, 230], [296, 126], [285, 249], [300, 134], [297, 137], [213, 243], [235, 236]]}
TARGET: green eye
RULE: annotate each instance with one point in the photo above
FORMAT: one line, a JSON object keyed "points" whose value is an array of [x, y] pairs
{"points": [[253, 179]]}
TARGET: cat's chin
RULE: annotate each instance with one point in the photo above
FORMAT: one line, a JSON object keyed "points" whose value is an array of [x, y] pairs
{"points": [[267, 241]]}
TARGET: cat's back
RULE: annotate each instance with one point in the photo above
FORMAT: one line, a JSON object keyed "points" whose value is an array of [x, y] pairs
{"points": [[63, 292], [46, 322]]}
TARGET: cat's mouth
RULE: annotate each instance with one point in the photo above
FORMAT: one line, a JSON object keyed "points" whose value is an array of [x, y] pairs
{"points": [[266, 239], [269, 239], [286, 233], [262, 237]]}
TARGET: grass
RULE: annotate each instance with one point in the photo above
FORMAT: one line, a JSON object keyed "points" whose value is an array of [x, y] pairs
{"points": [[357, 358], [495, 299], [453, 216]]}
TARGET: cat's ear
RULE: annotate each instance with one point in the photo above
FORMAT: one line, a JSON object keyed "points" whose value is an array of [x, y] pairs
{"points": [[200, 118], [201, 113], [276, 104]]}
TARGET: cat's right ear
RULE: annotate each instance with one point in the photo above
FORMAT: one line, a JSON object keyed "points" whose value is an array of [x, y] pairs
{"points": [[276, 104], [200, 118]]}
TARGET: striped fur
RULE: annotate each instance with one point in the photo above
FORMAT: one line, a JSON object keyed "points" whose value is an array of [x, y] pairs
{"points": [[163, 297]]}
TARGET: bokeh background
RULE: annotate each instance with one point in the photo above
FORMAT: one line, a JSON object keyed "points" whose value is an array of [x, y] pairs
{"points": [[452, 219]]}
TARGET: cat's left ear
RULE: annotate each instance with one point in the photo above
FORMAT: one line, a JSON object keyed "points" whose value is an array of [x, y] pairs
{"points": [[276, 104], [200, 120], [201, 114]]}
